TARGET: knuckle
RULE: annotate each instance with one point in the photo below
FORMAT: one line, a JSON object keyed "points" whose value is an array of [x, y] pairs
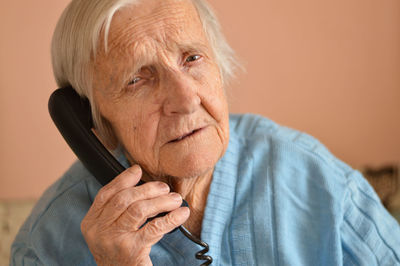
{"points": [[87, 231], [160, 186], [137, 193], [137, 211], [102, 195], [160, 225], [120, 202], [90, 234], [84, 227], [171, 219], [156, 227]]}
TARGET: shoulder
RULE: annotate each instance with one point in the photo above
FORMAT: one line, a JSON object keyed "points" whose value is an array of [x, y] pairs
{"points": [[294, 156], [53, 227], [292, 161], [75, 187], [297, 176], [296, 167], [255, 129], [281, 146]]}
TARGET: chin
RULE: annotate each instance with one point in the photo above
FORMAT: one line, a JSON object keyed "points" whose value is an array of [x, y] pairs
{"points": [[192, 157], [189, 166]]}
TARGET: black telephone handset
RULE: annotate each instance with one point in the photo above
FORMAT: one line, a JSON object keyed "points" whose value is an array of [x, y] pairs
{"points": [[73, 117]]}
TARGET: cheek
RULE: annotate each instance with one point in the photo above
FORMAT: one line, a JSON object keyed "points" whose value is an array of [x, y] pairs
{"points": [[213, 95], [219, 109], [138, 134], [136, 129]]}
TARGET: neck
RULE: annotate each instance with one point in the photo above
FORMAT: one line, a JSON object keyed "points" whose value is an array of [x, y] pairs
{"points": [[194, 191]]}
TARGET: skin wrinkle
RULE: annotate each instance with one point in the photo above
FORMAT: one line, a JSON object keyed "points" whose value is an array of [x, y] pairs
{"points": [[142, 42], [157, 18], [173, 98]]}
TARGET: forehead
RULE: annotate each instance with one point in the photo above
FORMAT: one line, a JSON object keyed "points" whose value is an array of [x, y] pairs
{"points": [[152, 22]]}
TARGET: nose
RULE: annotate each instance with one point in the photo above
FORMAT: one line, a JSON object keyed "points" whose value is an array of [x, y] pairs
{"points": [[181, 94]]}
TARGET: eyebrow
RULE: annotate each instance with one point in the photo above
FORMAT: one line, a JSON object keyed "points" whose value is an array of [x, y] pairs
{"points": [[140, 58], [196, 46]]}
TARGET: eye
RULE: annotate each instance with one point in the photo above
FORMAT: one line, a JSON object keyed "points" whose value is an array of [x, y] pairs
{"points": [[192, 58], [135, 80]]}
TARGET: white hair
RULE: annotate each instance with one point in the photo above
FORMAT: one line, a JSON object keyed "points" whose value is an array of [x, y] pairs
{"points": [[76, 38]]}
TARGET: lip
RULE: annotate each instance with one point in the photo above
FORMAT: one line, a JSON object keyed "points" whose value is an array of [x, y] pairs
{"points": [[186, 135]]}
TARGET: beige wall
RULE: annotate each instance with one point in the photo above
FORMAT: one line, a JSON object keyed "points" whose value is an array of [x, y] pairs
{"points": [[330, 68]]}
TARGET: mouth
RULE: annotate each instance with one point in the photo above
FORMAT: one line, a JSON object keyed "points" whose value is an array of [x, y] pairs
{"points": [[184, 136]]}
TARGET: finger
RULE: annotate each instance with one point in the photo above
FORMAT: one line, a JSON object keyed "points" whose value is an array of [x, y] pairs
{"points": [[128, 178], [137, 213], [154, 230], [120, 202]]}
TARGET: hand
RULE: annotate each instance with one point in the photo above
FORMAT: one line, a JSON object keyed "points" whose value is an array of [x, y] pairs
{"points": [[113, 228]]}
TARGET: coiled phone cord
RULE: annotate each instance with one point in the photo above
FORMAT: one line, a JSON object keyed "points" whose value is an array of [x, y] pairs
{"points": [[201, 254]]}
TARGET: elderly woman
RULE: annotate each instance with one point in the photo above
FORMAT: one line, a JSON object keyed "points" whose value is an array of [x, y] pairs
{"points": [[258, 193]]}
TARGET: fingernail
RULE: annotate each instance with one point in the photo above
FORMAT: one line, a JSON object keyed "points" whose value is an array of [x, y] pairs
{"points": [[175, 196]]}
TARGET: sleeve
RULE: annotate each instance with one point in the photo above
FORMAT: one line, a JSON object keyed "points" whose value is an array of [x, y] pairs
{"points": [[51, 234], [23, 255], [369, 234]]}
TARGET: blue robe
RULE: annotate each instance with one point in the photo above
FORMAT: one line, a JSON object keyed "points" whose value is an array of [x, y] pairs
{"points": [[278, 197]]}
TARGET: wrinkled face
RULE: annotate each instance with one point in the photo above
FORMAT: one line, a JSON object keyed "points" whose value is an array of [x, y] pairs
{"points": [[160, 88]]}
